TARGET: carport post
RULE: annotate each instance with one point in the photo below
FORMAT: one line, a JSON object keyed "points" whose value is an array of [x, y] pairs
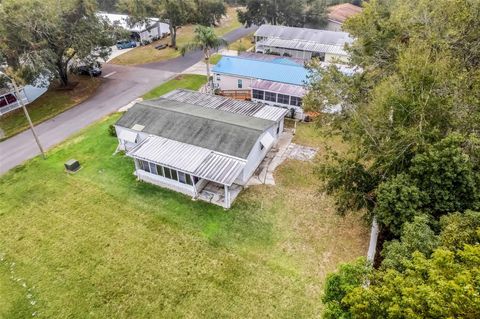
{"points": [[227, 198]]}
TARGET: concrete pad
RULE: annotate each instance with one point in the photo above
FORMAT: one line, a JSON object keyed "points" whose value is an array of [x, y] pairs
{"points": [[284, 149], [199, 68]]}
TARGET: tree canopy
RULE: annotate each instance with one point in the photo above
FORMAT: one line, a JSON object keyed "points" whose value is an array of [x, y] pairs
{"points": [[423, 275], [417, 82], [175, 12], [284, 12], [39, 36], [411, 117]]}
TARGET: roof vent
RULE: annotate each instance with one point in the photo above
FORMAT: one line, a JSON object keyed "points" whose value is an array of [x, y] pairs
{"points": [[138, 127]]}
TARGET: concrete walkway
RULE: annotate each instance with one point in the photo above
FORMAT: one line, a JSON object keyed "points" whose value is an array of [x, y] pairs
{"points": [[201, 67], [284, 149]]}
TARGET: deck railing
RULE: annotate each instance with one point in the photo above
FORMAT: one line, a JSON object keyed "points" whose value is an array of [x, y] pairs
{"points": [[237, 94]]}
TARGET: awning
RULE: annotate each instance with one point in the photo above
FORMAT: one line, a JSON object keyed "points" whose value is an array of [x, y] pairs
{"points": [[197, 161], [267, 140], [128, 136]]}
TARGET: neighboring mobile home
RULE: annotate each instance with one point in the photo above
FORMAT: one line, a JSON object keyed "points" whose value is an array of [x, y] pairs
{"points": [[302, 43], [142, 32], [204, 146], [339, 13], [277, 82]]}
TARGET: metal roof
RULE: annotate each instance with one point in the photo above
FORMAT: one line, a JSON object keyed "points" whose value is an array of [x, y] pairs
{"points": [[301, 45], [198, 161], [282, 88], [276, 70], [304, 34], [341, 12], [224, 132], [270, 57], [247, 108]]}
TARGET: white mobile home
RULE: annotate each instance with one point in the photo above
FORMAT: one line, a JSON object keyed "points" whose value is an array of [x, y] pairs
{"points": [[145, 31], [204, 146], [302, 43]]}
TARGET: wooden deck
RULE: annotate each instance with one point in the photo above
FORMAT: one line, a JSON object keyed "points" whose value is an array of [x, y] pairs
{"points": [[237, 94]]}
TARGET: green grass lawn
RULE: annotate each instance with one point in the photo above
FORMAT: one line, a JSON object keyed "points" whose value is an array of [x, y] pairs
{"points": [[215, 58], [148, 53], [185, 81], [50, 104], [99, 244], [242, 44]]}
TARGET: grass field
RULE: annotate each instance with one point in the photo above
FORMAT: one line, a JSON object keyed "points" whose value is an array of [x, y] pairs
{"points": [[50, 104], [99, 244], [185, 81], [242, 44], [148, 53], [215, 58]]}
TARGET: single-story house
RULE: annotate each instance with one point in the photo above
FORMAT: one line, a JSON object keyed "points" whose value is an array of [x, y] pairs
{"points": [[339, 13], [302, 43], [278, 81], [201, 145], [152, 29]]}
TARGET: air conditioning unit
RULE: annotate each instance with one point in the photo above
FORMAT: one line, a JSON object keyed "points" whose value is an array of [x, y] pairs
{"points": [[72, 166]]}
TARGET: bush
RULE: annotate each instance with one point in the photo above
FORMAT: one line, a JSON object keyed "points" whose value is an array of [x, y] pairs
{"points": [[112, 131], [339, 284]]}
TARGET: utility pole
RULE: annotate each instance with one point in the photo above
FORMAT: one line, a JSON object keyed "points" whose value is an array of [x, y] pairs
{"points": [[20, 100]]}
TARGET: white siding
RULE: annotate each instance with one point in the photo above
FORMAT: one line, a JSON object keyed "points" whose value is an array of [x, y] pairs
{"points": [[256, 156], [165, 182], [230, 82]]}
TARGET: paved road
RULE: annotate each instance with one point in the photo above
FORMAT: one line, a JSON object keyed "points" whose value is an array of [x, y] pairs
{"points": [[123, 84]]}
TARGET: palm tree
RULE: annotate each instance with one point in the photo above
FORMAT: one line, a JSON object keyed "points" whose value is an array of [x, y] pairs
{"points": [[206, 40]]}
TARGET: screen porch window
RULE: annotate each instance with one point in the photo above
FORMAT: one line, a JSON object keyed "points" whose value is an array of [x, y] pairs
{"points": [[269, 96], [295, 101], [257, 94], [284, 99], [153, 168]]}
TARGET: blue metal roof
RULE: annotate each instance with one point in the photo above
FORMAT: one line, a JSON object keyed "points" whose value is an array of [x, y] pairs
{"points": [[278, 70]]}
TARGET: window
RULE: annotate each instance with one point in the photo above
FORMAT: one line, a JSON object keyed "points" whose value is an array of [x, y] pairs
{"points": [[284, 99], [160, 170], [278, 129], [240, 84], [10, 98], [269, 96], [144, 166], [261, 147], [174, 175], [296, 101], [168, 173], [182, 178], [153, 168], [257, 94]]}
